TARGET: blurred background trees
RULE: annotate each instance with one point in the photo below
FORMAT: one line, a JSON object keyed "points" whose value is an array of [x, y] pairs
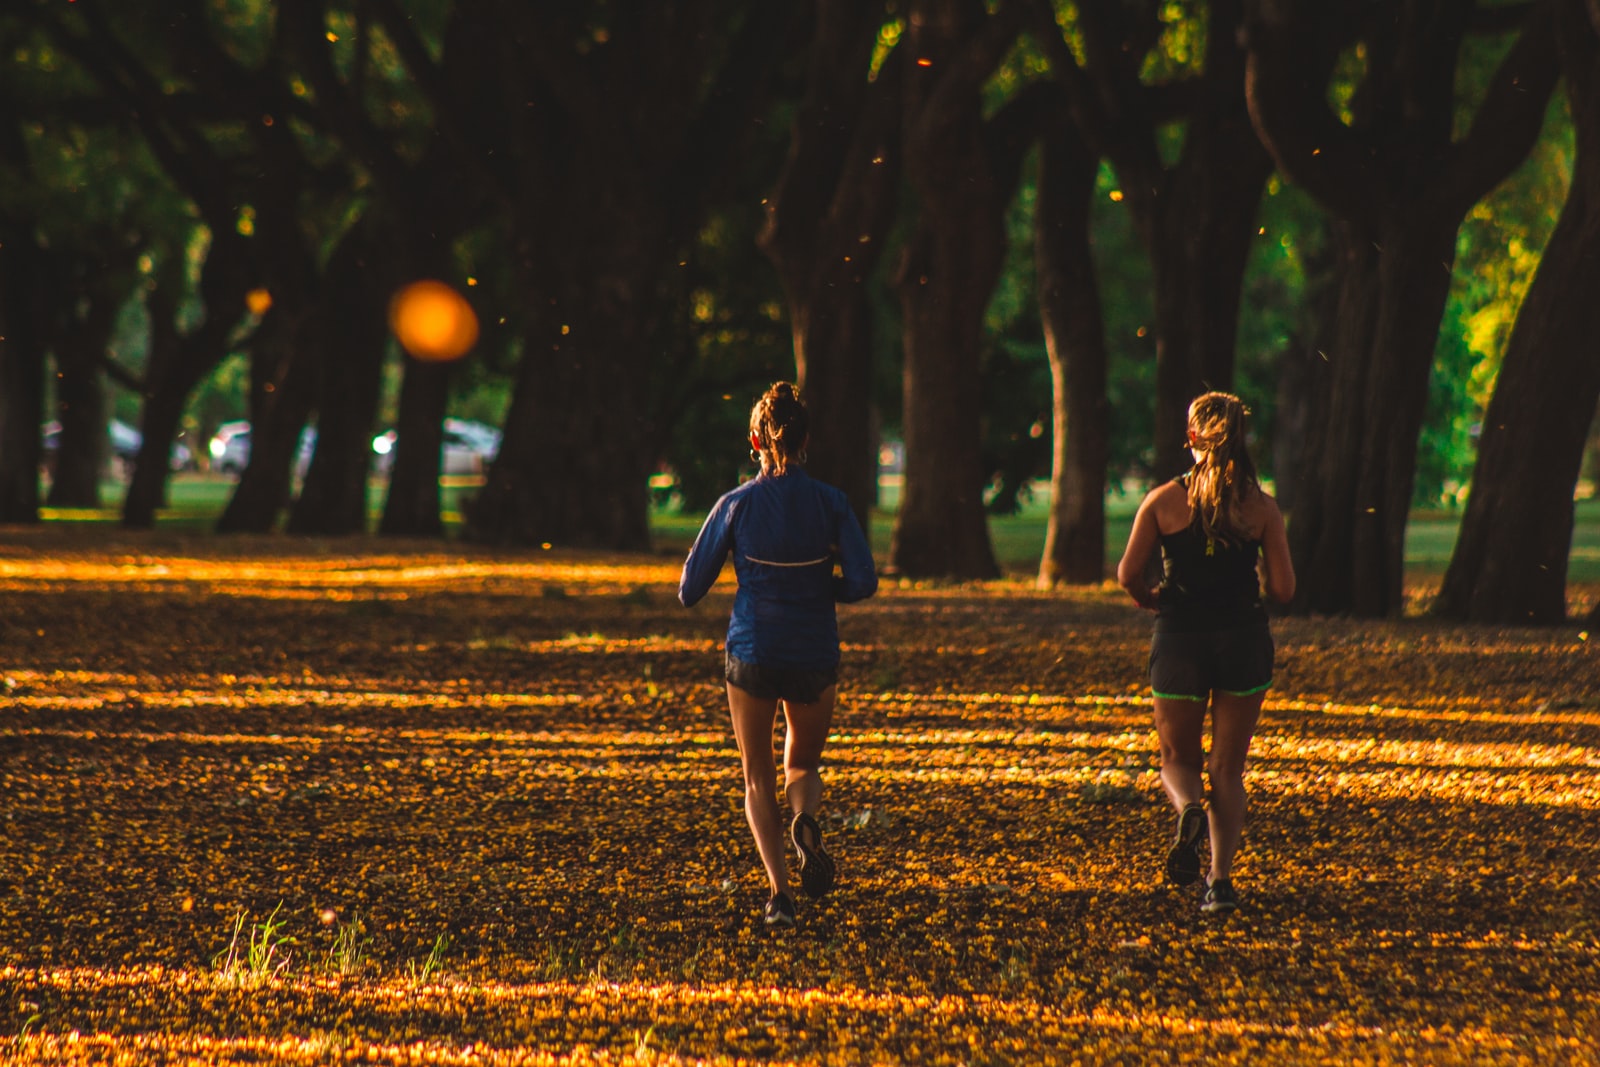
{"points": [[1002, 241]]}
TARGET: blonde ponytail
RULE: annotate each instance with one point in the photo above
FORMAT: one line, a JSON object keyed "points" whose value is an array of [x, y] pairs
{"points": [[1223, 476]]}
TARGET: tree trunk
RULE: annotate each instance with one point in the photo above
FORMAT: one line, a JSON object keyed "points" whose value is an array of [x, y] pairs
{"points": [[1349, 527], [21, 375], [576, 454], [412, 507], [282, 392], [945, 278], [1074, 336], [608, 182], [179, 362], [83, 447], [1399, 182], [1200, 237], [352, 339], [1195, 216], [1298, 364], [827, 222], [1510, 559]]}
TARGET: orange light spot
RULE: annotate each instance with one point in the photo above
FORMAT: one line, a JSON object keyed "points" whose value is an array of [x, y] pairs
{"points": [[432, 321], [258, 301], [924, 62]]}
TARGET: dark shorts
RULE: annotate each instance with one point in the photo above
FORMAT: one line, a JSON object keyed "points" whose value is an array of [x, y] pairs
{"points": [[1188, 665], [798, 685]]}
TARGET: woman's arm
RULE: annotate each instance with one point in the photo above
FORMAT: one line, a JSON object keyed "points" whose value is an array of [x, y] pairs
{"points": [[858, 578], [1142, 542], [705, 560], [1277, 570]]}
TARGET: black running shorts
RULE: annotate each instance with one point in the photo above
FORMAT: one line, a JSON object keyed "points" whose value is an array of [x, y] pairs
{"points": [[1191, 665], [798, 685]]}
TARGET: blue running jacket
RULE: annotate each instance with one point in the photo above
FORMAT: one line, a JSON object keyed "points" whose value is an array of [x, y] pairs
{"points": [[786, 532]]}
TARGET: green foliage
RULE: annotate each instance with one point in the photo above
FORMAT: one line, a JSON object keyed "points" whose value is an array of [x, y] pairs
{"points": [[1497, 253], [432, 964], [260, 959]]}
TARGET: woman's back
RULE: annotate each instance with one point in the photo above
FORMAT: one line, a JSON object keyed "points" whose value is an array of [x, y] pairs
{"points": [[785, 533]]}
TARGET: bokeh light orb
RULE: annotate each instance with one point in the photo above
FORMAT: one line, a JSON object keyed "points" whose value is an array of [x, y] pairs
{"points": [[432, 321]]}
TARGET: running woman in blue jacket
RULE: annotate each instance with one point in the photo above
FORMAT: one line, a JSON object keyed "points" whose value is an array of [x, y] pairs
{"points": [[786, 533], [1222, 542]]}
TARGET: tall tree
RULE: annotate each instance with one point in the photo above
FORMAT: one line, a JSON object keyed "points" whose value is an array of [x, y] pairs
{"points": [[601, 139], [1074, 334], [421, 198], [22, 341], [963, 171], [1195, 214], [1510, 560], [827, 221], [88, 285], [350, 336], [180, 358], [1398, 182]]}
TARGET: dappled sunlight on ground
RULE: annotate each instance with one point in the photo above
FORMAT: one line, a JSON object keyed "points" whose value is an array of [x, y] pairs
{"points": [[494, 805]]}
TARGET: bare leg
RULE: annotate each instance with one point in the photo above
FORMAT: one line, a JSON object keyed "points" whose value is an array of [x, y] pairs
{"points": [[1180, 728], [802, 750], [1233, 725], [752, 731]]}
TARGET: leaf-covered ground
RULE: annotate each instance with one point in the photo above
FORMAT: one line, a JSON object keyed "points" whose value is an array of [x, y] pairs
{"points": [[485, 808]]}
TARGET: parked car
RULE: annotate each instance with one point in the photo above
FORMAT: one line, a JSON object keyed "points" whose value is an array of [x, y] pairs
{"points": [[230, 448], [468, 448], [125, 444]]}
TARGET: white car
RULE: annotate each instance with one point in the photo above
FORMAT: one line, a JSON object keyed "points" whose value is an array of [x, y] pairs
{"points": [[125, 444], [468, 448], [230, 448]]}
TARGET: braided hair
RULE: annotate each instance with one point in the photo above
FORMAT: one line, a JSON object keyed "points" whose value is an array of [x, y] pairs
{"points": [[1223, 475], [780, 426]]}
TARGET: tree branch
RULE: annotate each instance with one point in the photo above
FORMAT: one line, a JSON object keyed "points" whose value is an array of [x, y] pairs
{"points": [[837, 100], [121, 375], [1289, 60], [1508, 121], [968, 69], [302, 24], [738, 93]]}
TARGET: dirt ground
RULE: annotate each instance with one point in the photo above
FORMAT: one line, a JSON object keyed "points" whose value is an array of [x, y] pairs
{"points": [[280, 801]]}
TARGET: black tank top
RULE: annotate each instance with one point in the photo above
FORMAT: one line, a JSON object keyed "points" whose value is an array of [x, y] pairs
{"points": [[1206, 583]]}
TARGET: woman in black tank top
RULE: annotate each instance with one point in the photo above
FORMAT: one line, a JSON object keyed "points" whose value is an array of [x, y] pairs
{"points": [[1219, 534]]}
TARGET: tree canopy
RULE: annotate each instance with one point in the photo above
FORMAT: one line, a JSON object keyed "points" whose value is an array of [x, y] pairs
{"points": [[1018, 236]]}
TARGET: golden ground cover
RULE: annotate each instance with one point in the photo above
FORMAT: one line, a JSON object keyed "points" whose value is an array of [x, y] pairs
{"points": [[463, 807]]}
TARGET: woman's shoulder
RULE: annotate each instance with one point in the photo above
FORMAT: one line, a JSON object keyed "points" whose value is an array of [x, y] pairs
{"points": [[1169, 501], [1258, 508]]}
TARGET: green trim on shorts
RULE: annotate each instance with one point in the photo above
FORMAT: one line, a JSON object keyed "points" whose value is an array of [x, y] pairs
{"points": [[1249, 692], [1178, 696]]}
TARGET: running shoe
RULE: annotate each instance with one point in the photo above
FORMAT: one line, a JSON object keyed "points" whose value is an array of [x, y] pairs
{"points": [[816, 866], [779, 911], [1220, 898], [1183, 859]]}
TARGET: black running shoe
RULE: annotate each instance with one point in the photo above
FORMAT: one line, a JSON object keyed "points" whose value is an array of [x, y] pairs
{"points": [[1183, 860], [779, 911], [816, 866], [1220, 898]]}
